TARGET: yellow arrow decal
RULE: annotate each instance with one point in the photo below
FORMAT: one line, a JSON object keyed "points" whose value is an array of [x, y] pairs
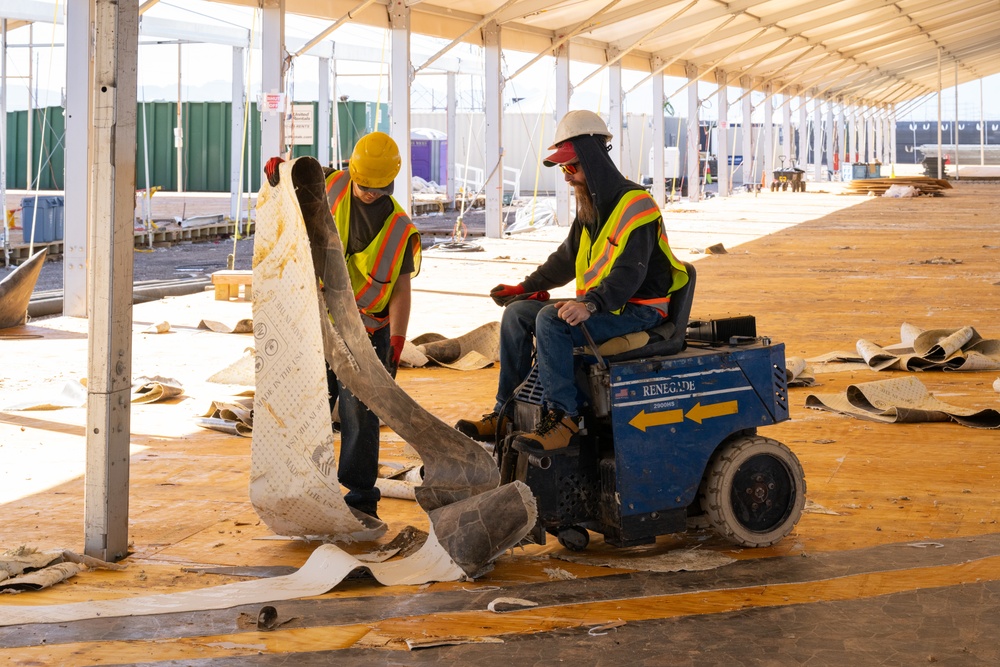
{"points": [[700, 412], [644, 419]]}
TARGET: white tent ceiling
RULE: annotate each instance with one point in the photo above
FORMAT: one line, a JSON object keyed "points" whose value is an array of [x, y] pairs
{"points": [[866, 51]]}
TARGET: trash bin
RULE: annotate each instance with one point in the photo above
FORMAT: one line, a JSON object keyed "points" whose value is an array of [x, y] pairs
{"points": [[58, 205], [37, 221]]}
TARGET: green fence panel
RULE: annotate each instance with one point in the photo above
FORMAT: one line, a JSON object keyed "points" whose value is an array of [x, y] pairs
{"points": [[48, 137], [206, 155]]}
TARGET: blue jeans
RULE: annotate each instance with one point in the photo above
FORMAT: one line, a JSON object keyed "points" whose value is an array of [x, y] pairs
{"points": [[555, 340], [357, 467]]}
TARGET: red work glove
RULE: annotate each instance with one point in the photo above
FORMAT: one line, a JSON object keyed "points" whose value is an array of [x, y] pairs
{"points": [[397, 342], [271, 171], [504, 294]]}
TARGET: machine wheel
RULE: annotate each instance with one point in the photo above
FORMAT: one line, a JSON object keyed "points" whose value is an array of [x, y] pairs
{"points": [[784, 187], [573, 538], [753, 491]]}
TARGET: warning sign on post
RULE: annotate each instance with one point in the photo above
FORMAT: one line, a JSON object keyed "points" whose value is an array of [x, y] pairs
{"points": [[272, 102], [299, 125]]}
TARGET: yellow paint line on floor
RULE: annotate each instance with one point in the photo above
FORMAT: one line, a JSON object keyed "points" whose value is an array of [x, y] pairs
{"points": [[481, 623]]}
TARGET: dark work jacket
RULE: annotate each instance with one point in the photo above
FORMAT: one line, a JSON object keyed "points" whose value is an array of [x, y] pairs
{"points": [[641, 272]]}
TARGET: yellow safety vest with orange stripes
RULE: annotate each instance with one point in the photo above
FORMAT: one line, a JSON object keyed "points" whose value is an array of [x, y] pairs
{"points": [[595, 258], [375, 269]]}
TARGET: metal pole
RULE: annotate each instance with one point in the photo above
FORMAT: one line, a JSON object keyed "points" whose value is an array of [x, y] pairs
{"points": [[179, 128], [693, 153], [722, 100], [982, 127], [3, 139], [31, 112], [109, 373], [957, 174], [940, 169]]}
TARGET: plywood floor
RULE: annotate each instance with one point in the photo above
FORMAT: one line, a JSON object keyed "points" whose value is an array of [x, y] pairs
{"points": [[897, 560]]}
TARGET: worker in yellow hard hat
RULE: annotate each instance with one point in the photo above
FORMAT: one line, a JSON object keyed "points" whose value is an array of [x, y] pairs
{"points": [[624, 271], [382, 250]]}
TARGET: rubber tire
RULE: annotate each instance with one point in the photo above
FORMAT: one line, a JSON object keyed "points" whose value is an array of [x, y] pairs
{"points": [[725, 468], [573, 538]]}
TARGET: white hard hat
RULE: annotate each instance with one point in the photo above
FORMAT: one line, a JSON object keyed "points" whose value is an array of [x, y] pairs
{"points": [[577, 123]]}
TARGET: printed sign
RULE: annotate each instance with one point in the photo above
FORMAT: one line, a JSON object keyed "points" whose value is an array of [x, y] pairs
{"points": [[299, 125]]}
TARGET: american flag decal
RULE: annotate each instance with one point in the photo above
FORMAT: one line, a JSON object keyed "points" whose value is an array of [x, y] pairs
{"points": [[622, 393]]}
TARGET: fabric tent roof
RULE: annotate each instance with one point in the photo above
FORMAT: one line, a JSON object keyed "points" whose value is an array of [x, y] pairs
{"points": [[865, 51]]}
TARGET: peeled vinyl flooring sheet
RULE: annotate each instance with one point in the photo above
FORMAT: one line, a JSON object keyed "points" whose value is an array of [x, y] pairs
{"points": [[293, 483]]}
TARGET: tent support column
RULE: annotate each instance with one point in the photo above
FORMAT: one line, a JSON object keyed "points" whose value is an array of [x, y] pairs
{"points": [[830, 134], [237, 144], [803, 138], [786, 130], [658, 189], [817, 139], [564, 91], [400, 80], [747, 134], [693, 154], [722, 150], [109, 374], [494, 130], [272, 38], [615, 116], [768, 153], [323, 112], [79, 76], [452, 128]]}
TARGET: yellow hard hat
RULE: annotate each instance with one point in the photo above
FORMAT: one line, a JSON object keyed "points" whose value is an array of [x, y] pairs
{"points": [[375, 161]]}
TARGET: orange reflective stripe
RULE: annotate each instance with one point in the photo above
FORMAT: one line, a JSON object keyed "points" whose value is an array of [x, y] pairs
{"points": [[336, 187], [635, 213], [381, 273], [660, 303], [372, 323]]}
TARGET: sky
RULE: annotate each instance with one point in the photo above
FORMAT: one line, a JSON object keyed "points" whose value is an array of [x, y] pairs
{"points": [[205, 72]]}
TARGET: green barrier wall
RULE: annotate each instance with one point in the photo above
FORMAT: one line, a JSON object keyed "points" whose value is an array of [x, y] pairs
{"points": [[205, 152]]}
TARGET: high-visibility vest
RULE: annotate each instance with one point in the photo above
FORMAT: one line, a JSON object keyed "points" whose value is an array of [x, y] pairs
{"points": [[374, 270], [595, 258]]}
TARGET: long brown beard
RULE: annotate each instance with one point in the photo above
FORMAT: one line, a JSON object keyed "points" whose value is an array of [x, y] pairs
{"points": [[585, 209]]}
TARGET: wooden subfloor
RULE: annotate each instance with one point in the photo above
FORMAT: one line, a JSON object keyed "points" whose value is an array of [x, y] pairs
{"points": [[896, 561]]}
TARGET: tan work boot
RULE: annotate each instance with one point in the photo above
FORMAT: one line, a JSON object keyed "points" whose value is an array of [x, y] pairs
{"points": [[483, 429], [555, 431]]}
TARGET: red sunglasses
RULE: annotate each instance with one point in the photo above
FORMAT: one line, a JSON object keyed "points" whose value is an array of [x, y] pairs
{"points": [[570, 168]]}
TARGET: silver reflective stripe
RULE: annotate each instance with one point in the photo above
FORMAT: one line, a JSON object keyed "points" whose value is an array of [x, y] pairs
{"points": [[381, 273], [637, 208]]}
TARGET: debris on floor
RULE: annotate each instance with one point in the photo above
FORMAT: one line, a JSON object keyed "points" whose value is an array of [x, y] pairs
{"points": [[476, 349], [798, 372], [961, 349], [675, 560], [903, 400], [234, 417], [28, 569], [155, 388], [16, 289]]}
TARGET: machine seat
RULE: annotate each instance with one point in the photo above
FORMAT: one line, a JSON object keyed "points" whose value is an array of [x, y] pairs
{"points": [[667, 337]]}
